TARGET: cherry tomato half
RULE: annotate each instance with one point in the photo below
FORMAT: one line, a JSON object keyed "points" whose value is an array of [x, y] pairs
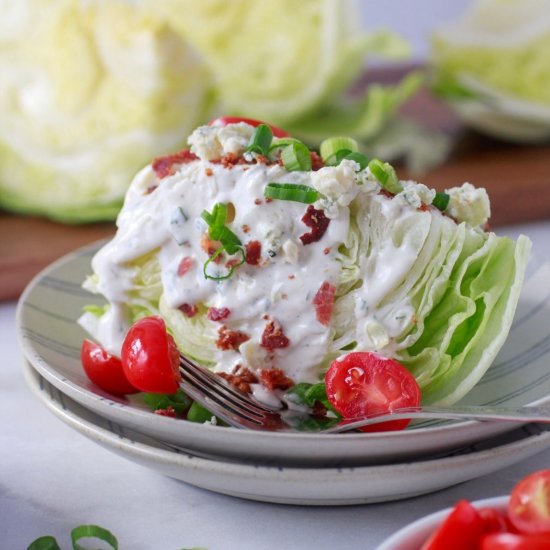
{"points": [[224, 120], [150, 358], [363, 383], [512, 541], [461, 530], [529, 505], [104, 370]]}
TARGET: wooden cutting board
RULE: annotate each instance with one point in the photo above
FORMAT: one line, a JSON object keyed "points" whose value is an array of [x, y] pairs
{"points": [[517, 178]]}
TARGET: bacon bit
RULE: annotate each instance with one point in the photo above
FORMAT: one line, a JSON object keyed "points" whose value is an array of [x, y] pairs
{"points": [[231, 159], [317, 161], [233, 262], [386, 193], [273, 337], [218, 313], [327, 250], [189, 310], [165, 166], [292, 276], [424, 208], [230, 339], [317, 221], [253, 252], [257, 202], [246, 228], [168, 411], [150, 189], [275, 379], [324, 302], [241, 378], [185, 266], [210, 247], [268, 199], [208, 171]]}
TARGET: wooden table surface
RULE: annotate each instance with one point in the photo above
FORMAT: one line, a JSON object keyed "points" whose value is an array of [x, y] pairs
{"points": [[517, 178]]}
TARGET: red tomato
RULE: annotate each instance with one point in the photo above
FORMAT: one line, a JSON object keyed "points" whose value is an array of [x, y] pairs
{"points": [[150, 357], [512, 541], [104, 370], [462, 530], [495, 521], [224, 120], [363, 383], [529, 505]]}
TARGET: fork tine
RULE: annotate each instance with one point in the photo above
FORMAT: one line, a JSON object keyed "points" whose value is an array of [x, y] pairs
{"points": [[215, 383]]}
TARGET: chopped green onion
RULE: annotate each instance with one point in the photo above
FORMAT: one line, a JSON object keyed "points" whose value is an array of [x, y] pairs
{"points": [[46, 542], [197, 413], [296, 157], [261, 140], [441, 201], [95, 531], [279, 143], [218, 231], [385, 175], [359, 158], [159, 401], [291, 192], [231, 269], [329, 147]]}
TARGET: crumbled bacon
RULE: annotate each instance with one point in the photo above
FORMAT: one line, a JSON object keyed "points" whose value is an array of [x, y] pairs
{"points": [[317, 161], [317, 221], [184, 266], [275, 379], [327, 250], [324, 302], [273, 337], [218, 313], [210, 247], [257, 202], [168, 411], [230, 339], [253, 252], [241, 378], [189, 310], [165, 166], [246, 228]]}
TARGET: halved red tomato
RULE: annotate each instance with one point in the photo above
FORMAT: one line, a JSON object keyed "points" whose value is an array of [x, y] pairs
{"points": [[150, 358], [513, 541], [364, 383], [461, 530], [224, 120], [529, 505], [104, 369]]}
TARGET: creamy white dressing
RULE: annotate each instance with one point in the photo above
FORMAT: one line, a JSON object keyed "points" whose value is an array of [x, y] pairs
{"points": [[164, 217]]}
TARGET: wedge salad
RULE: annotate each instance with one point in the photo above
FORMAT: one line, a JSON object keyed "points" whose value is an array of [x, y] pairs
{"points": [[272, 264]]}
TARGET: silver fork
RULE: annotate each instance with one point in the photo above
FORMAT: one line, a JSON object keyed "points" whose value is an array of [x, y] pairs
{"points": [[241, 410]]}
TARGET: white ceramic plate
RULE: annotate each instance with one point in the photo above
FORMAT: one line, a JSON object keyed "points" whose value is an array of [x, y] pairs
{"points": [[50, 339], [287, 485], [415, 534]]}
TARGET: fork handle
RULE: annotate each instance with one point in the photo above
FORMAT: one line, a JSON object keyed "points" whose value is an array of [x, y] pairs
{"points": [[466, 412]]}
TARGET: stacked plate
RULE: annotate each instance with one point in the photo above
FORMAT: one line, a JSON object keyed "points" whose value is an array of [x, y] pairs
{"points": [[296, 468]]}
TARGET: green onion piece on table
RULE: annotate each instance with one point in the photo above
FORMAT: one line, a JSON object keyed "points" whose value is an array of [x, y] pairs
{"points": [[95, 531], [291, 192]]}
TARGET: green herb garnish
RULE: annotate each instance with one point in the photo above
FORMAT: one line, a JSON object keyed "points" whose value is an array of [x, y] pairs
{"points": [[441, 201], [291, 192], [261, 140], [385, 175]]}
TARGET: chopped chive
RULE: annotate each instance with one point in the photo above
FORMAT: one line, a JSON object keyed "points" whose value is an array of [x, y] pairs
{"points": [[296, 157], [95, 531], [441, 201], [197, 413], [385, 175], [46, 542], [261, 140], [329, 147], [291, 192], [231, 269]]}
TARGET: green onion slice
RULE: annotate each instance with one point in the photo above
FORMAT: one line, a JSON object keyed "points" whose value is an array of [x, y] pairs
{"points": [[291, 192], [46, 542], [279, 143], [441, 201], [95, 531], [231, 269], [385, 175], [329, 147], [261, 140], [217, 229], [296, 157]]}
